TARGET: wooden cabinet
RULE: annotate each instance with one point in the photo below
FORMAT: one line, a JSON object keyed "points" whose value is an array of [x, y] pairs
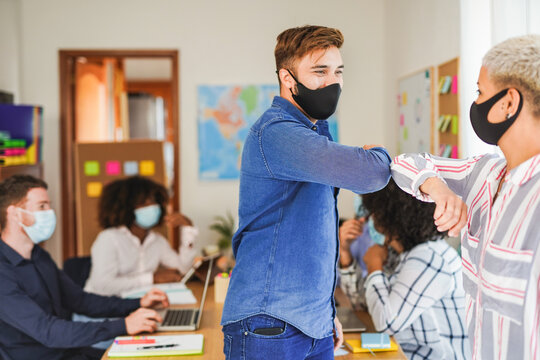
{"points": [[448, 123]]}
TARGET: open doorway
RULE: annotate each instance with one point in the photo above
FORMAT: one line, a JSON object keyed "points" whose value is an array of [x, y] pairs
{"points": [[116, 96]]}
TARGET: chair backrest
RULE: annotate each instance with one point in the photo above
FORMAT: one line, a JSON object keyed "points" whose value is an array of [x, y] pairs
{"points": [[78, 269]]}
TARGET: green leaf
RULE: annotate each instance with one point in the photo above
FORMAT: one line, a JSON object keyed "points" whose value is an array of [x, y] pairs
{"points": [[224, 226]]}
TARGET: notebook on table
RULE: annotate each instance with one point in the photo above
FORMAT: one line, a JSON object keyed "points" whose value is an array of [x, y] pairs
{"points": [[372, 342], [139, 346], [186, 319]]}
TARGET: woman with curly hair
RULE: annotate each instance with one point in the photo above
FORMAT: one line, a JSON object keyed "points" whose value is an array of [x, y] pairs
{"points": [[128, 253], [422, 302]]}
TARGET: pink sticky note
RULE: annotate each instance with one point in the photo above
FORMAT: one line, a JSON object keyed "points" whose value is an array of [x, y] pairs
{"points": [[454, 152], [401, 119], [454, 84], [112, 167]]}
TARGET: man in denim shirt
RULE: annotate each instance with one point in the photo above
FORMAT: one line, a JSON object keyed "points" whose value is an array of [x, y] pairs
{"points": [[280, 302]]}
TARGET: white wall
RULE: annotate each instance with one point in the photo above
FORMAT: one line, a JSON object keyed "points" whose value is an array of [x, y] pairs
{"points": [[9, 47], [476, 40], [420, 33], [485, 23], [220, 42]]}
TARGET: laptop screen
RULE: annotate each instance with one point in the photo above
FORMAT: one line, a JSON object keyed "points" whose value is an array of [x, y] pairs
{"points": [[204, 291]]}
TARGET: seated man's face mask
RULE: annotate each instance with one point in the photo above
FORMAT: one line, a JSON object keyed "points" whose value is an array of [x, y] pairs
{"points": [[43, 226], [319, 104]]}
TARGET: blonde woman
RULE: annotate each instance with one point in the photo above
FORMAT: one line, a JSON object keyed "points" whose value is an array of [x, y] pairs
{"points": [[501, 259]]}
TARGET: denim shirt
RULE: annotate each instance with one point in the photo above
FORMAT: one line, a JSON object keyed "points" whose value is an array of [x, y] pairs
{"points": [[286, 246]]}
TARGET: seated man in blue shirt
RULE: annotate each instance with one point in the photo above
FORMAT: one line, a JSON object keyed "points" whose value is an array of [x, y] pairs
{"points": [[280, 301], [37, 298]]}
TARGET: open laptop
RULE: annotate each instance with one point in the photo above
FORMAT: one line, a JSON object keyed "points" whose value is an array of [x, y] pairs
{"points": [[349, 320], [196, 266], [186, 319]]}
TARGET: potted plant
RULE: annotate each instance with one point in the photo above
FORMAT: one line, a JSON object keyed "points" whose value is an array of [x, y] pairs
{"points": [[224, 226]]}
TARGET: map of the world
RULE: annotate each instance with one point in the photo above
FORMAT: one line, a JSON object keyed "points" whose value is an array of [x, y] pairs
{"points": [[225, 114]]}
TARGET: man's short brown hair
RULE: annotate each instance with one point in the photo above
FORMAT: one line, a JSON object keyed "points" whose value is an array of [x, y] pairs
{"points": [[13, 191], [293, 44]]}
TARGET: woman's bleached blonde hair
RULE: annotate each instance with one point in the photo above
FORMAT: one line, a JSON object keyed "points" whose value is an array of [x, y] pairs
{"points": [[516, 63]]}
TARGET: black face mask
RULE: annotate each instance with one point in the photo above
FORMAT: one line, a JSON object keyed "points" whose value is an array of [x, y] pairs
{"points": [[489, 132], [320, 104]]}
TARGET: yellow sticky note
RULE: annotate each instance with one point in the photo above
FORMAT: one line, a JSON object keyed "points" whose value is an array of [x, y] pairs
{"points": [[147, 168], [404, 98], [93, 189]]}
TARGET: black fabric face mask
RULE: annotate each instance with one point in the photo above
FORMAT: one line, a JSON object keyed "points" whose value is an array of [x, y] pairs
{"points": [[319, 104], [489, 132]]}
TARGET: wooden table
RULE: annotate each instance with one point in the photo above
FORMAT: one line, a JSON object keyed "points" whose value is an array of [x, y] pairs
{"points": [[210, 328], [213, 337], [364, 316]]}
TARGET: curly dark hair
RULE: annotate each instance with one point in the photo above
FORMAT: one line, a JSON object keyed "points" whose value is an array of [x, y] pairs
{"points": [[120, 198], [398, 214]]}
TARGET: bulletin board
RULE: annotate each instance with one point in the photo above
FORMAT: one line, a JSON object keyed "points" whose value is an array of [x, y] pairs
{"points": [[98, 164], [415, 112]]}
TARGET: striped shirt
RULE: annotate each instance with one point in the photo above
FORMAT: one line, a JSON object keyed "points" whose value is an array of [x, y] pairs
{"points": [[422, 303], [500, 257]]}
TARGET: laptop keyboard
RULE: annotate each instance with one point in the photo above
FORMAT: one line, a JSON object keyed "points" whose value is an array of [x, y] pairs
{"points": [[178, 317]]}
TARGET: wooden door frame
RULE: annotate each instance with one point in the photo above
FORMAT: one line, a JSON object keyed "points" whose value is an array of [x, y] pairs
{"points": [[67, 58]]}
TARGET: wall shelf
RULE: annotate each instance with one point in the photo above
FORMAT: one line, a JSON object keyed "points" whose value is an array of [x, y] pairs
{"points": [[34, 170]]}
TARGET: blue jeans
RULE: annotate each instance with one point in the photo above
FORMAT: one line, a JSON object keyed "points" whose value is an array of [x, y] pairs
{"points": [[245, 340]]}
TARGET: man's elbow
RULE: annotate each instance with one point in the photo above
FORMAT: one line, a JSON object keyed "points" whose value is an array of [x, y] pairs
{"points": [[381, 177]]}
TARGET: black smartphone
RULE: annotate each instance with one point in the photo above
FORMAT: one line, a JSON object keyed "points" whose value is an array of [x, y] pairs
{"points": [[269, 331]]}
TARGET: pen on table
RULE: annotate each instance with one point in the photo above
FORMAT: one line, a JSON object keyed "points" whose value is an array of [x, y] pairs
{"points": [[157, 346]]}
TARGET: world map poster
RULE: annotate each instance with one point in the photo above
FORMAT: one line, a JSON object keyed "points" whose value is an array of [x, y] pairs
{"points": [[225, 115]]}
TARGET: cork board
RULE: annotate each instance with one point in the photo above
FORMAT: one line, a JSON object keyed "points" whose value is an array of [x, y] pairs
{"points": [[98, 164]]}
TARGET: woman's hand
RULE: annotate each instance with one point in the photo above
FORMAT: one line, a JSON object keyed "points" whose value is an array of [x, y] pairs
{"points": [[450, 211], [375, 257], [165, 275], [348, 232], [177, 219]]}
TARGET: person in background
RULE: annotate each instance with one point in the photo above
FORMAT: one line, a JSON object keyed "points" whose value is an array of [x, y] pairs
{"points": [[128, 254], [356, 236], [37, 298], [421, 303], [500, 241], [280, 301]]}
